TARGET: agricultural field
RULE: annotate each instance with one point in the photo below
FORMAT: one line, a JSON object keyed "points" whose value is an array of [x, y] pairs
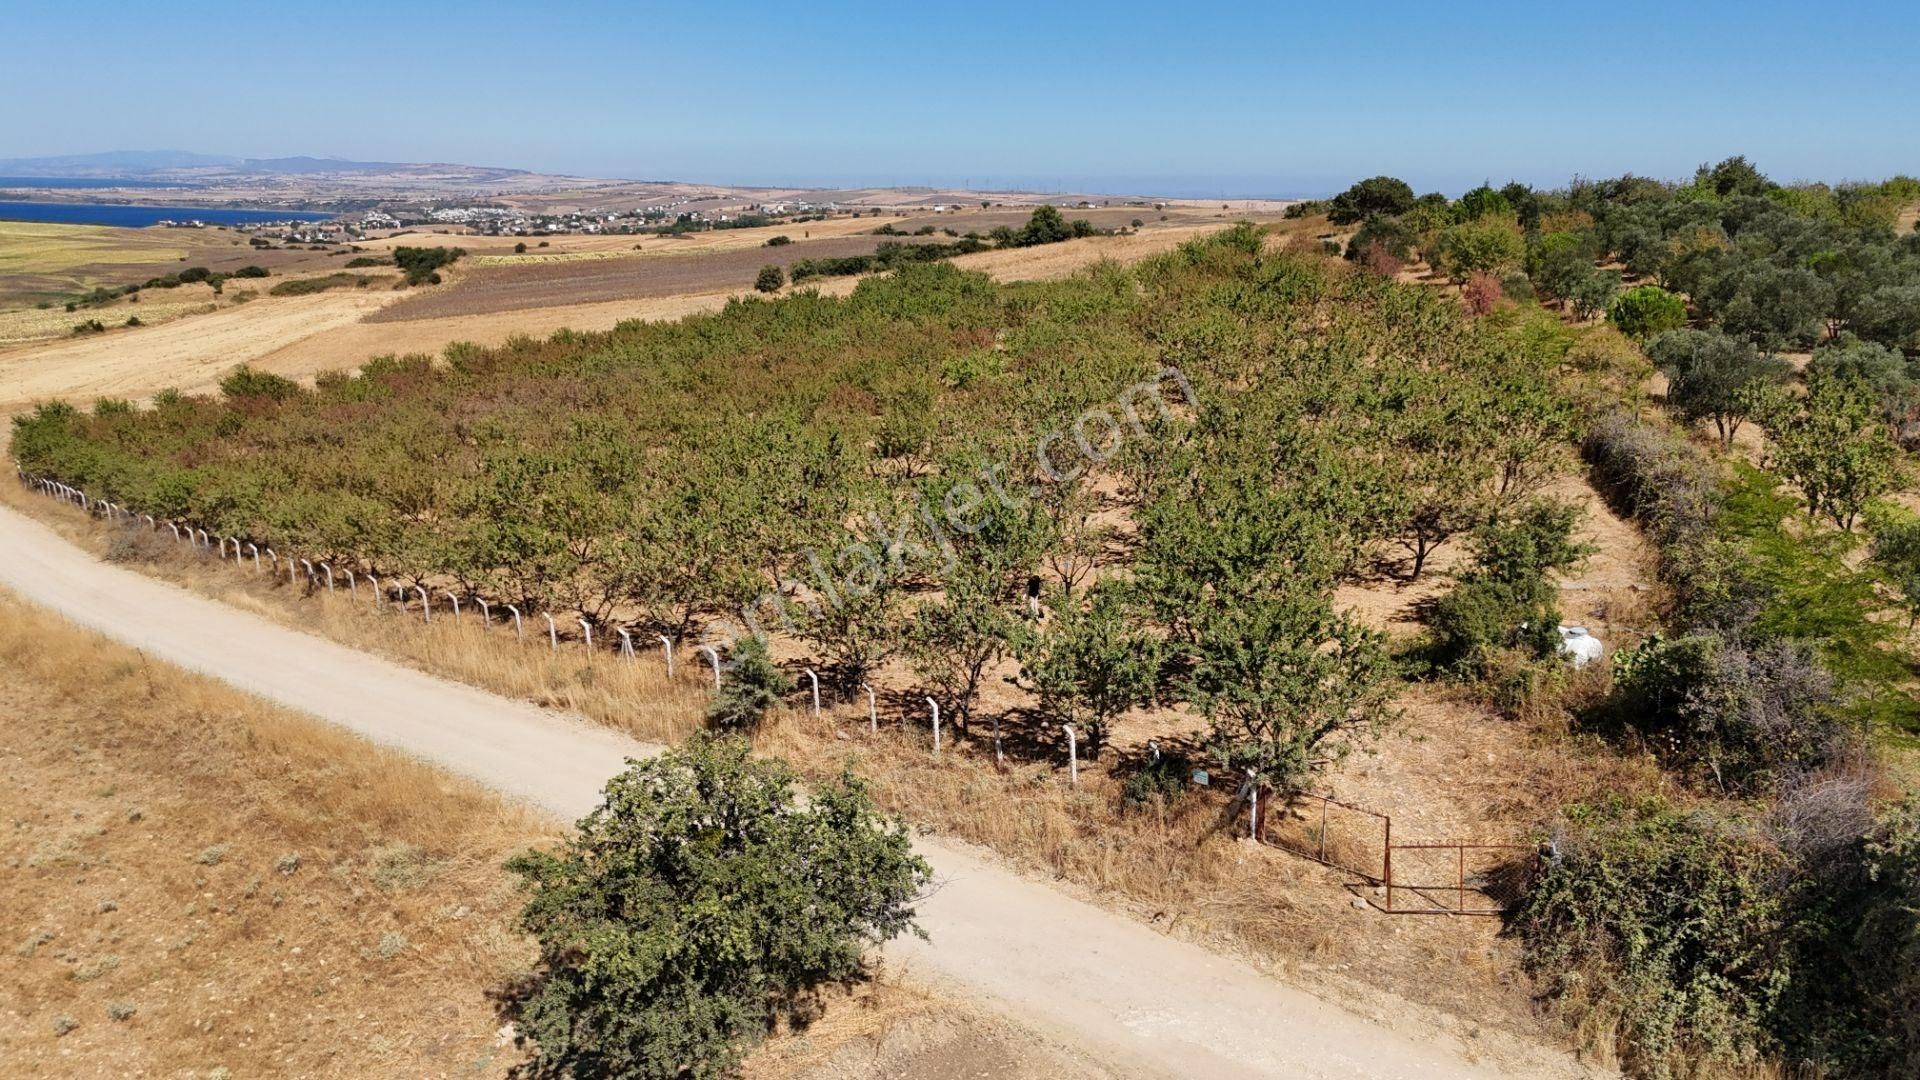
{"points": [[50, 263], [1305, 522]]}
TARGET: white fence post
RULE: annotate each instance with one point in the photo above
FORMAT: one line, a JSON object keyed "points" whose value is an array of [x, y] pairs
{"points": [[586, 628], [713, 655], [203, 539], [626, 645], [935, 706], [873, 714], [329, 569], [236, 549], [1073, 756], [379, 599], [667, 644], [816, 691], [486, 614], [456, 608], [518, 634], [176, 531], [426, 604], [553, 636], [272, 559], [309, 568], [353, 586], [255, 548]]}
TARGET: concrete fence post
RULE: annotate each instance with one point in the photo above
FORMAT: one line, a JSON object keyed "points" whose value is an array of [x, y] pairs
{"points": [[586, 630], [236, 549], [816, 691], [873, 714], [290, 570], [308, 567], [150, 523], [935, 706], [1073, 756], [272, 559], [456, 608], [1253, 806], [204, 542], [518, 634], [255, 549], [329, 569], [713, 655], [486, 614], [626, 645], [353, 586], [426, 605], [176, 531], [666, 643], [553, 635], [379, 599]]}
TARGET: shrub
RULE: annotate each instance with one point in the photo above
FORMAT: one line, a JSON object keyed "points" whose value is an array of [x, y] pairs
{"points": [[779, 241], [419, 264], [1160, 780], [1664, 927], [368, 260], [1748, 715], [1506, 599], [696, 904], [308, 286], [1654, 477], [754, 684], [519, 248], [1481, 293], [1646, 310], [770, 279], [245, 382]]}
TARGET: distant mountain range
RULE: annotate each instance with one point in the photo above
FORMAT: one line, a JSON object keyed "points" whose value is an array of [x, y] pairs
{"points": [[188, 167]]}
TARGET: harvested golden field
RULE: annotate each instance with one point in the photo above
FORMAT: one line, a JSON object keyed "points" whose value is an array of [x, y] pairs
{"points": [[45, 262], [190, 354], [488, 289]]}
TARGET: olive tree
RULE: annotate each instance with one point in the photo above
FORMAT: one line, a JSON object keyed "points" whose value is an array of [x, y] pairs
{"points": [[1709, 373]]}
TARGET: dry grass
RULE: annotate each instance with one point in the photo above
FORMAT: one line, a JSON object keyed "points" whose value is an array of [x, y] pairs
{"points": [[261, 891]]}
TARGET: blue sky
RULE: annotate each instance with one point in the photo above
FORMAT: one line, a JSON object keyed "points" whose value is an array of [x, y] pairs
{"points": [[1194, 98]]}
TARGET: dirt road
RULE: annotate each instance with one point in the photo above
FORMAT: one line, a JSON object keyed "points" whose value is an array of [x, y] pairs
{"points": [[1144, 1004]]}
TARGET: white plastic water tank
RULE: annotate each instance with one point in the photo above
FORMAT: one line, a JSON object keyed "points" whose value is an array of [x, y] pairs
{"points": [[1581, 646]]}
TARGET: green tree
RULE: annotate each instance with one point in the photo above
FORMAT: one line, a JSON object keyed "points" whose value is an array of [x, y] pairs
{"points": [[1287, 684], [1091, 661], [1831, 445], [753, 684], [1488, 245], [1895, 553], [1374, 197], [1646, 310], [1711, 376], [770, 279], [697, 903]]}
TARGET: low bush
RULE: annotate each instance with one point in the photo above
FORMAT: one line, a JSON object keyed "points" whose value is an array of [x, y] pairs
{"points": [[1662, 928], [754, 684], [1747, 715]]}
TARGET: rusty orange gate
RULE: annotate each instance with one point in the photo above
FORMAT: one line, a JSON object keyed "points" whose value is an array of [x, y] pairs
{"points": [[1453, 877]]}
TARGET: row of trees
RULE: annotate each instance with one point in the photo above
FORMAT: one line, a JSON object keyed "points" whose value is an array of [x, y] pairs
{"points": [[753, 465]]}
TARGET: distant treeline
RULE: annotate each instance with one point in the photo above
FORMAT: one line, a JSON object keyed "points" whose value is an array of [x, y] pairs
{"points": [[1046, 226]]}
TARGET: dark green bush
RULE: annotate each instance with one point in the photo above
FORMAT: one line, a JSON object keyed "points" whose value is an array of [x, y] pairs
{"points": [[698, 903], [1664, 928], [753, 684]]}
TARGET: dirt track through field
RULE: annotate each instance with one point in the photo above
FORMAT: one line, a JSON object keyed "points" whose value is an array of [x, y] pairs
{"points": [[1146, 1004]]}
